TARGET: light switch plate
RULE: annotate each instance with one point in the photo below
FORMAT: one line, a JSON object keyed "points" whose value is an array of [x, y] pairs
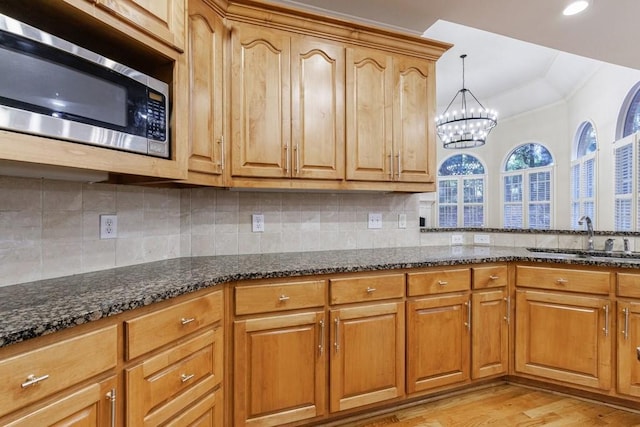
{"points": [[457, 239], [481, 239]]}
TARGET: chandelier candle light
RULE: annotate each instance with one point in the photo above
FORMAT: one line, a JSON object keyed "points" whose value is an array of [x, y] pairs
{"points": [[469, 126]]}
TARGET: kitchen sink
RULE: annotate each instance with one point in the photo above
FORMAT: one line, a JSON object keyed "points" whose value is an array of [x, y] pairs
{"points": [[581, 254]]}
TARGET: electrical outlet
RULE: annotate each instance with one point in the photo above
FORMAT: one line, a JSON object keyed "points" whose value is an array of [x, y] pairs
{"points": [[257, 223], [375, 220], [457, 239], [402, 220], [481, 239], [108, 226]]}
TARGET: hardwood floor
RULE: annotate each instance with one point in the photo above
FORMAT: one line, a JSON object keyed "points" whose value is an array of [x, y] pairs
{"points": [[506, 405]]}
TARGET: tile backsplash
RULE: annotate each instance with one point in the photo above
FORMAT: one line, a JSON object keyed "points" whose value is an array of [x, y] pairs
{"points": [[50, 228]]}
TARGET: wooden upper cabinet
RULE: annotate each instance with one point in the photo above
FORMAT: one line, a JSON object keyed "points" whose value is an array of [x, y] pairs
{"points": [[390, 110], [317, 84], [206, 94], [260, 102], [162, 19], [413, 120], [287, 105], [369, 115]]}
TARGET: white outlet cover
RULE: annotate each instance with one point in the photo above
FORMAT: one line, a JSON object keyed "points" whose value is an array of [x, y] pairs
{"points": [[108, 226], [375, 220], [402, 220], [457, 239], [481, 239], [257, 223]]}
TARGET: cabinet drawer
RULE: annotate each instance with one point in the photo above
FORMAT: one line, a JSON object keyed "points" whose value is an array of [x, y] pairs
{"points": [[153, 330], [438, 281], [279, 296], [58, 366], [165, 384], [489, 277], [628, 285], [369, 288], [563, 279]]}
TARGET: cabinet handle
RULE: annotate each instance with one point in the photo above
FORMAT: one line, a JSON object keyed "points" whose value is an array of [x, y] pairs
{"points": [[184, 377], [187, 320], [321, 346], [111, 397], [391, 166], [336, 342], [398, 157], [297, 153], [562, 281], [494, 277], [508, 316], [626, 323], [286, 160], [283, 298], [221, 144], [370, 290], [442, 282], [468, 322], [33, 380], [606, 320]]}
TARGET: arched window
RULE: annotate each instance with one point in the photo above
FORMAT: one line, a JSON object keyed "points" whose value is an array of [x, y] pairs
{"points": [[461, 192], [527, 184], [632, 115], [583, 174]]}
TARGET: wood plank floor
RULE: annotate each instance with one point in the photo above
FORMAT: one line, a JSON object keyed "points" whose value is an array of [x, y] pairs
{"points": [[506, 405]]}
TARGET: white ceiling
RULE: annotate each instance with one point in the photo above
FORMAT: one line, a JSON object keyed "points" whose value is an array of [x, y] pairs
{"points": [[507, 67]]}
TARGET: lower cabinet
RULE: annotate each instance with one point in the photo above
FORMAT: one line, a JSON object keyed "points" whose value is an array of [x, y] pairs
{"points": [[367, 355], [279, 369], [490, 318], [629, 348], [438, 341], [564, 337]]}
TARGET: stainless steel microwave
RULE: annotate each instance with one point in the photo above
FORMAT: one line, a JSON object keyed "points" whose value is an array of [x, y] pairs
{"points": [[56, 89]]}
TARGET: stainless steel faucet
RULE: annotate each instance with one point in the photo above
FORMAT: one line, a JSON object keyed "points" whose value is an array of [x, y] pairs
{"points": [[587, 220]]}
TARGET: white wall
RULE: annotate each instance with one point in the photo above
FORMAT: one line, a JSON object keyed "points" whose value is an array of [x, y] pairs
{"points": [[599, 100]]}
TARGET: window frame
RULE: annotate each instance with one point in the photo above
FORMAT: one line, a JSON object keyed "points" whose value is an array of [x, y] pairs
{"points": [[582, 158], [525, 201], [460, 204]]}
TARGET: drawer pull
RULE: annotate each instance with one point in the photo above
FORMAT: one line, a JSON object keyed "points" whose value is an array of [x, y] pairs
{"points": [[283, 298], [494, 277], [184, 377], [442, 282], [370, 290], [626, 323], [111, 397], [187, 320], [33, 380], [562, 281], [606, 321], [321, 346]]}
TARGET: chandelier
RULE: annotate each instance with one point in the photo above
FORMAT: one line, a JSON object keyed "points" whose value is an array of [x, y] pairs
{"points": [[469, 126]]}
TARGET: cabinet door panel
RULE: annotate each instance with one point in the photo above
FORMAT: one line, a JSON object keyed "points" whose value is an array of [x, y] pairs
{"points": [[628, 343], [89, 406], [490, 334], [260, 102], [547, 322], [367, 355], [205, 47], [163, 19], [438, 342], [369, 115], [414, 113], [279, 369], [317, 80]]}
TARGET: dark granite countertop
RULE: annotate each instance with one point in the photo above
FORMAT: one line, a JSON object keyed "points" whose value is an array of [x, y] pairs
{"points": [[37, 308]]}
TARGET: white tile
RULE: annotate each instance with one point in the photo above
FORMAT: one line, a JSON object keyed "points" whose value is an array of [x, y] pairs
{"points": [[62, 225], [99, 197], [61, 195], [129, 251], [20, 194], [98, 254]]}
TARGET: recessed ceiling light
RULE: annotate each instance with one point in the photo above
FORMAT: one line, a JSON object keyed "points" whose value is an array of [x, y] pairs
{"points": [[575, 7]]}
